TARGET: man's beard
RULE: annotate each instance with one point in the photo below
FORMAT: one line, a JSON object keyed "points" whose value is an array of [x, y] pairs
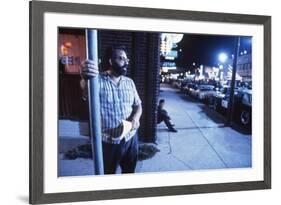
{"points": [[119, 70]]}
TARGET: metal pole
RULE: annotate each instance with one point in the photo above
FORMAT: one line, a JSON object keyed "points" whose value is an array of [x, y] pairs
{"points": [[232, 86], [94, 103]]}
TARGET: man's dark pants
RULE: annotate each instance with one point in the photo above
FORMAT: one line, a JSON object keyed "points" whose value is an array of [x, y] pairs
{"points": [[124, 154], [163, 116]]}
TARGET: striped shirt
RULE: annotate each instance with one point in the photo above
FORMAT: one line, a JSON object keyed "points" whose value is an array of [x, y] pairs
{"points": [[116, 103]]}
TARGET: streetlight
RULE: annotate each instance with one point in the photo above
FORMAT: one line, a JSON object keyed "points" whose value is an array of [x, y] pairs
{"points": [[223, 57]]}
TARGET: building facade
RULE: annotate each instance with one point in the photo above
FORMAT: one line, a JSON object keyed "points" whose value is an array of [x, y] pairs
{"points": [[143, 51]]}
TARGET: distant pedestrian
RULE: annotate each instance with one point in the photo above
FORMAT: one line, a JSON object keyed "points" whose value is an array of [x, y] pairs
{"points": [[162, 115]]}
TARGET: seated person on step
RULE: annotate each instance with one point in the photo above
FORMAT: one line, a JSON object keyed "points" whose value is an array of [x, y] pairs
{"points": [[162, 115]]}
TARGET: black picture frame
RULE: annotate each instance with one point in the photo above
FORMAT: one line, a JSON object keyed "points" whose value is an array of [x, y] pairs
{"points": [[37, 10]]}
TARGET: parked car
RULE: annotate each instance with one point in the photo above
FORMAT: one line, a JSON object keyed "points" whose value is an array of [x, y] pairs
{"points": [[242, 106], [178, 83], [183, 84], [190, 88], [204, 92], [218, 96], [174, 83]]}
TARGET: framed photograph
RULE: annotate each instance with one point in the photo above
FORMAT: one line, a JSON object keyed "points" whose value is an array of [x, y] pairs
{"points": [[130, 102]]}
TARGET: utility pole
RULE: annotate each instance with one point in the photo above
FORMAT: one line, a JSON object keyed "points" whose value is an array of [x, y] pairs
{"points": [[94, 103], [232, 86]]}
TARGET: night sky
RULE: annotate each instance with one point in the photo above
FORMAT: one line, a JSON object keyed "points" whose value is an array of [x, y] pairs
{"points": [[204, 49]]}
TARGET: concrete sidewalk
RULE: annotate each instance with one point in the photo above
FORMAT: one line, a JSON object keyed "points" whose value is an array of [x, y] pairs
{"points": [[202, 140]]}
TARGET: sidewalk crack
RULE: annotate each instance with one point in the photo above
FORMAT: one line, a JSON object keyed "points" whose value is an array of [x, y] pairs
{"points": [[183, 162], [203, 135], [171, 152]]}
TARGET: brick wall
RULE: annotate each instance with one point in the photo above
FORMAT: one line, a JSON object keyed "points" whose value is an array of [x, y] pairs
{"points": [[153, 81]]}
